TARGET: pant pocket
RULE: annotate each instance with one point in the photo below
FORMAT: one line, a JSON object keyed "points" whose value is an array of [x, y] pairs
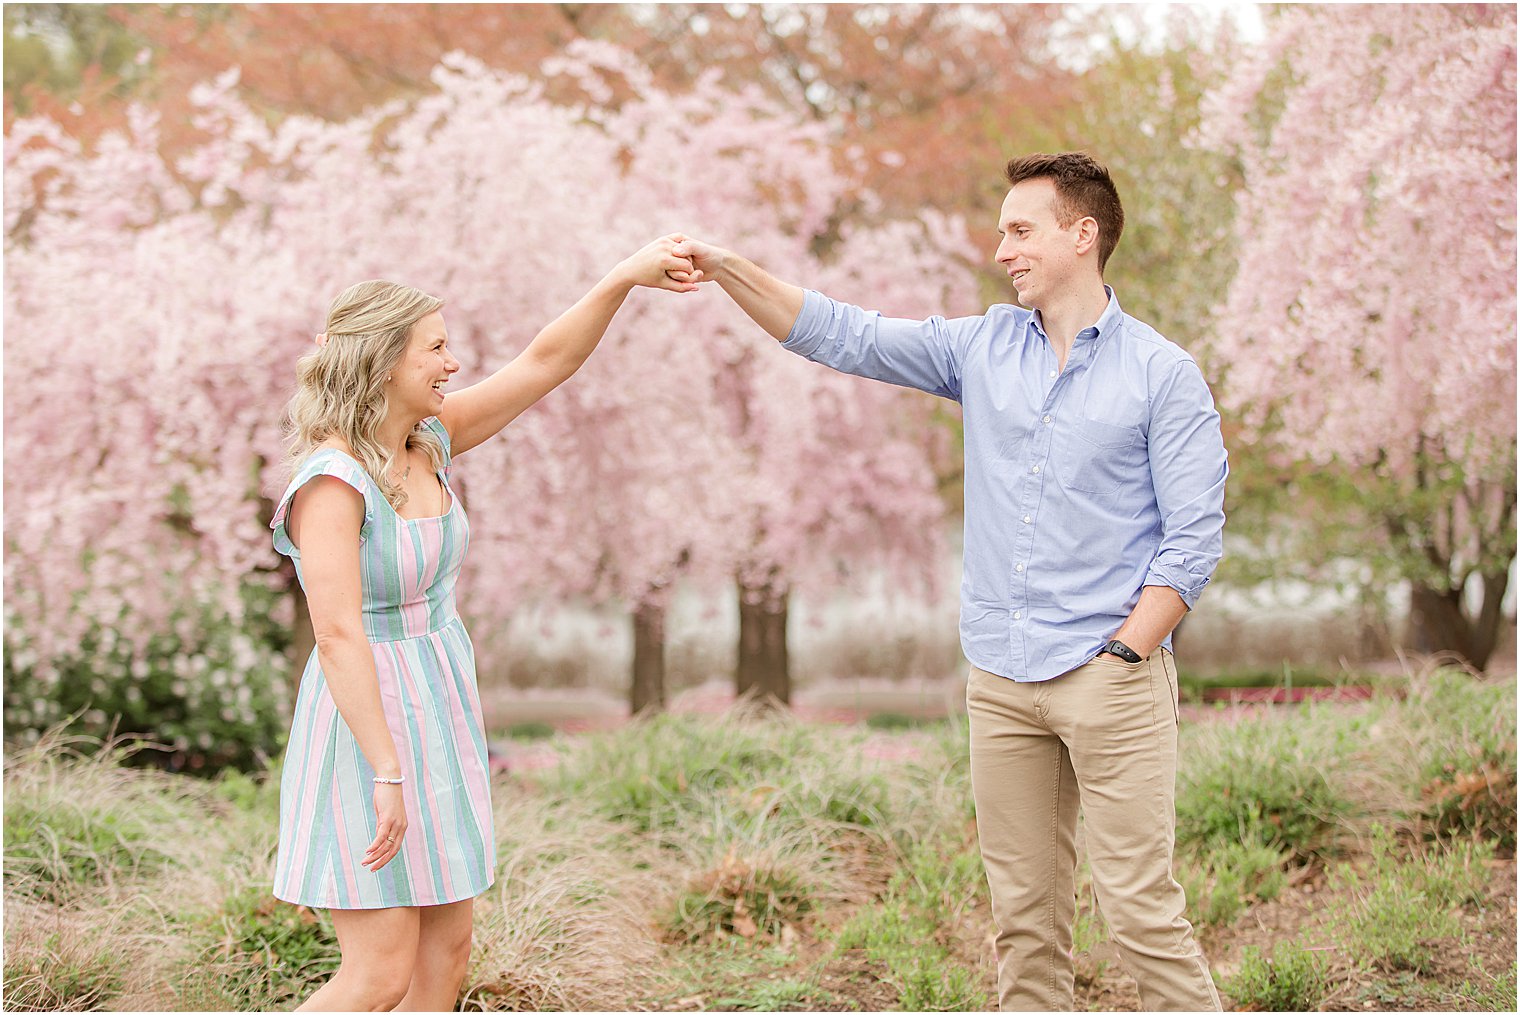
{"points": [[1169, 667]]}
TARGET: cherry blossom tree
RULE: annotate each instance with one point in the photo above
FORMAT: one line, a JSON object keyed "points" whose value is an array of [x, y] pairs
{"points": [[1370, 325], [155, 308]]}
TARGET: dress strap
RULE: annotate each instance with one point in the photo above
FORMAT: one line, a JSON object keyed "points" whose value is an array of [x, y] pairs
{"points": [[324, 462], [435, 426]]}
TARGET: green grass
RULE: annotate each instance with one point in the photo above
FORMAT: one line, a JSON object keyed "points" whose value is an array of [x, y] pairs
{"points": [[62, 973], [532, 730], [765, 864], [904, 931], [893, 722], [1290, 979], [1191, 685], [1224, 881], [1486, 992], [771, 995], [1270, 781], [1464, 766]]}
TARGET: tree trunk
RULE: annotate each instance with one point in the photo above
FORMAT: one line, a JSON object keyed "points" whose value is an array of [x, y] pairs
{"points": [[1439, 620], [646, 690], [763, 670]]}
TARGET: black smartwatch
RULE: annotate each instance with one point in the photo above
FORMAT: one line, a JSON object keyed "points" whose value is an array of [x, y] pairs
{"points": [[1123, 651]]}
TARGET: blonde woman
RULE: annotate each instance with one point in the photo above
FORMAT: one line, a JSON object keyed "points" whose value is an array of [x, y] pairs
{"points": [[385, 810]]}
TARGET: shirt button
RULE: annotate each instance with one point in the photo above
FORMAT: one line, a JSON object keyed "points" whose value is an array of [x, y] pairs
{"points": [[1052, 373], [1027, 519], [1035, 469], [1019, 568], [1046, 421], [1017, 615]]}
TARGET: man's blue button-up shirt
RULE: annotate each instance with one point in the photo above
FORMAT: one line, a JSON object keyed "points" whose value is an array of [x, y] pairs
{"points": [[1083, 485]]}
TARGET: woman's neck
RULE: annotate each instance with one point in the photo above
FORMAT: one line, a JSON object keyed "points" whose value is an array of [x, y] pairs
{"points": [[393, 434]]}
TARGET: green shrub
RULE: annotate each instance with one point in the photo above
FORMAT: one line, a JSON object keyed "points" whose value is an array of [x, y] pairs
{"points": [[1398, 904], [904, 931], [1466, 758], [746, 894], [1489, 993], [533, 730], [1221, 883], [931, 985], [271, 952], [55, 852], [78, 824], [654, 773], [894, 722], [1263, 782], [1293, 979], [772, 995], [215, 696], [858, 799]]}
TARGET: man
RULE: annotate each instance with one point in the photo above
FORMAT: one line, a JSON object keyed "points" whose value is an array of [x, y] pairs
{"points": [[1094, 500]]}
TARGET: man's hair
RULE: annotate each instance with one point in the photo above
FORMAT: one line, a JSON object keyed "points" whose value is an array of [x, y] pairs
{"points": [[1083, 188]]}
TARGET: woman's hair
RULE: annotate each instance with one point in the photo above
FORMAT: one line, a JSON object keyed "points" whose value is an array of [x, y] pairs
{"points": [[340, 387]]}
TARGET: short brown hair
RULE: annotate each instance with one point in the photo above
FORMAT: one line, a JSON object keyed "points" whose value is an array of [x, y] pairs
{"points": [[1083, 188]]}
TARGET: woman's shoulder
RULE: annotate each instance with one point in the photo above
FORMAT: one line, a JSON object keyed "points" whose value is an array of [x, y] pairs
{"points": [[333, 443], [331, 457]]}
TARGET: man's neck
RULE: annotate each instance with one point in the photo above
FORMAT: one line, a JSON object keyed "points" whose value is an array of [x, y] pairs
{"points": [[1065, 316]]}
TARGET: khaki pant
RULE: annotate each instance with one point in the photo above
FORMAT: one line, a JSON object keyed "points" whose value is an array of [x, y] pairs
{"points": [[1104, 735]]}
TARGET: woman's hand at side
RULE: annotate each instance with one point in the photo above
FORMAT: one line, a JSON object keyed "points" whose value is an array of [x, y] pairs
{"points": [[390, 825], [657, 266]]}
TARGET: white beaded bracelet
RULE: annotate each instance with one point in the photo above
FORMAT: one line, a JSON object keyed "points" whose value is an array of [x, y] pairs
{"points": [[390, 782]]}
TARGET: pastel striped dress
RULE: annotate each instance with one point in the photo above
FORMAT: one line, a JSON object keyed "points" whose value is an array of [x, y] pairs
{"points": [[426, 669]]}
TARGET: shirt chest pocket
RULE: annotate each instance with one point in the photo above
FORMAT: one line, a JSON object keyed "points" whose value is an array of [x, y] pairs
{"points": [[1098, 458]]}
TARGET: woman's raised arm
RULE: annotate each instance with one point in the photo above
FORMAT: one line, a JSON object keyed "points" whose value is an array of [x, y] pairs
{"points": [[480, 411]]}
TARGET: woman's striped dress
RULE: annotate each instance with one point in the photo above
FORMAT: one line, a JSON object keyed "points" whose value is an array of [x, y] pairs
{"points": [[426, 669]]}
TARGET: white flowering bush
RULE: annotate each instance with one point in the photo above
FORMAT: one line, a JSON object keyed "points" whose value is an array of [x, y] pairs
{"points": [[213, 690]]}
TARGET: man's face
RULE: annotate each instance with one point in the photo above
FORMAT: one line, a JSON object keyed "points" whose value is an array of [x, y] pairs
{"points": [[1037, 253]]}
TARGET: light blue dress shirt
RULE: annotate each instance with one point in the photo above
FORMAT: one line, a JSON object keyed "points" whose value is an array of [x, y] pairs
{"points": [[1082, 485]]}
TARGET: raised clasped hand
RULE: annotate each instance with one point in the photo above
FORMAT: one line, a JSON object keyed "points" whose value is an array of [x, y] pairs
{"points": [[657, 266]]}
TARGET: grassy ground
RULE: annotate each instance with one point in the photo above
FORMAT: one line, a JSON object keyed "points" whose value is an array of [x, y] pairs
{"points": [[1337, 857]]}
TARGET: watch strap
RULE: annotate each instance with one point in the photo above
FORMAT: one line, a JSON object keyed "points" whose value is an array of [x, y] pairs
{"points": [[1123, 651]]}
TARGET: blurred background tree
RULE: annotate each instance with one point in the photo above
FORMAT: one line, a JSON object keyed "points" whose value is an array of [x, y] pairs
{"points": [[1369, 331]]}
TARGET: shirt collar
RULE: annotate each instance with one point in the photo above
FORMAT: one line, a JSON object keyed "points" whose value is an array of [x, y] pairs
{"points": [[1107, 322]]}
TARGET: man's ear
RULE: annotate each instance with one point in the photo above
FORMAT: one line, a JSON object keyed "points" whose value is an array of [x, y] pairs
{"points": [[1087, 234]]}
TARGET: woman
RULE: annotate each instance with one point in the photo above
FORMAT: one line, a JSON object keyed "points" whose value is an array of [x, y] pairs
{"points": [[385, 811]]}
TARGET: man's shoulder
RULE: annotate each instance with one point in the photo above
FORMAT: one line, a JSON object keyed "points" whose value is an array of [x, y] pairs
{"points": [[1151, 345], [1010, 313]]}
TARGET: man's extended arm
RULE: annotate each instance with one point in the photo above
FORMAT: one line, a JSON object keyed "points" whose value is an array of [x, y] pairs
{"points": [[772, 303], [926, 355]]}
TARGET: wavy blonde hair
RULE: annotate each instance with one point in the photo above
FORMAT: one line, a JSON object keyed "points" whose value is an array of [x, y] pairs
{"points": [[340, 386]]}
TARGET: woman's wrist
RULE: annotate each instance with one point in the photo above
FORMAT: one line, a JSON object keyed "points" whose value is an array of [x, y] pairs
{"points": [[620, 281]]}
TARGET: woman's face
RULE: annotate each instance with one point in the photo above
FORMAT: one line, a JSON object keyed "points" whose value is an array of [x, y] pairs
{"points": [[416, 385]]}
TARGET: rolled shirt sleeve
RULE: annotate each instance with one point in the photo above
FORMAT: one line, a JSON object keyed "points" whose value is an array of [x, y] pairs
{"points": [[926, 355], [1188, 470]]}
